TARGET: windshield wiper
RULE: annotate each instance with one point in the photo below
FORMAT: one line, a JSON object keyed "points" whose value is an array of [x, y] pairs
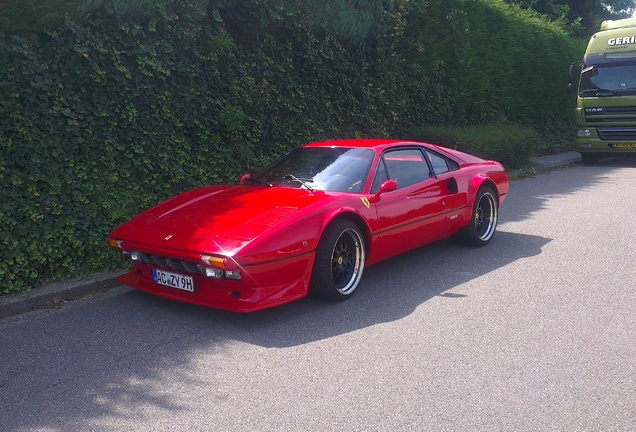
{"points": [[299, 180], [597, 92], [290, 177]]}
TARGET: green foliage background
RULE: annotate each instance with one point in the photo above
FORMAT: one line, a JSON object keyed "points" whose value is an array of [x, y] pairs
{"points": [[112, 112]]}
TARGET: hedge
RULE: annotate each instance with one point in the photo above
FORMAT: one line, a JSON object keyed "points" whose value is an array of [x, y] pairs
{"points": [[103, 118]]}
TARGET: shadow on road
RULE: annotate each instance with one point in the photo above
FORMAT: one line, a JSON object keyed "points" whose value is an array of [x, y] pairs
{"points": [[389, 291], [531, 195]]}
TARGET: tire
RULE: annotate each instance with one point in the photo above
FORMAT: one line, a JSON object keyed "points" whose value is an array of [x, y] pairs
{"points": [[590, 158], [339, 261], [483, 222]]}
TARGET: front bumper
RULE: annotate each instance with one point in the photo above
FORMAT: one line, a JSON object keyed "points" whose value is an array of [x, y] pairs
{"points": [[262, 286], [592, 143]]}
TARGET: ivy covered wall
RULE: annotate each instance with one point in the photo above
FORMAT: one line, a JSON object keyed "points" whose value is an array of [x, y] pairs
{"points": [[103, 118]]}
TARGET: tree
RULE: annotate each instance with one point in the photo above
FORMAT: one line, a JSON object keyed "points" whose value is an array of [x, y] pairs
{"points": [[582, 17]]}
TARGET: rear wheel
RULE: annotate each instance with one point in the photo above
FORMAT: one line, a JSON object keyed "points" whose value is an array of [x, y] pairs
{"points": [[483, 222], [339, 261]]}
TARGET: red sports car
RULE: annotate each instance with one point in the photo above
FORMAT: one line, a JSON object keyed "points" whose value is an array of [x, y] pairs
{"points": [[310, 223]]}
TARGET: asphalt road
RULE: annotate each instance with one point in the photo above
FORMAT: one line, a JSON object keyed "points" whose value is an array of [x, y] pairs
{"points": [[535, 332]]}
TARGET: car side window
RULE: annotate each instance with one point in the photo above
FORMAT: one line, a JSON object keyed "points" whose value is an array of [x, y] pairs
{"points": [[380, 176], [406, 166], [440, 164]]}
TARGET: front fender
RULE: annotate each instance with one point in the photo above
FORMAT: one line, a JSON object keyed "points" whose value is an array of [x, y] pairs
{"points": [[496, 180], [301, 232], [359, 211]]}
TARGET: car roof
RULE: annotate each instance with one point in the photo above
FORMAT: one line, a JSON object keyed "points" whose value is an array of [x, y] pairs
{"points": [[371, 143], [381, 144]]}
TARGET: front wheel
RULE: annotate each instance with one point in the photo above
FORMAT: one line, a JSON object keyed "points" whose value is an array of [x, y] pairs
{"points": [[590, 158], [339, 261], [483, 222]]}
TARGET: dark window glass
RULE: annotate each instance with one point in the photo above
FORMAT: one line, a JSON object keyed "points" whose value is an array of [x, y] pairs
{"points": [[440, 163], [406, 166]]}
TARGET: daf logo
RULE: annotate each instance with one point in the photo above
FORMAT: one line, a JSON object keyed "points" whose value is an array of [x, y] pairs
{"points": [[593, 110], [168, 237]]}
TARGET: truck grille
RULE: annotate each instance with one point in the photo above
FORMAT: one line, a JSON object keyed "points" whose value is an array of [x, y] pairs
{"points": [[617, 133], [611, 114], [174, 264]]}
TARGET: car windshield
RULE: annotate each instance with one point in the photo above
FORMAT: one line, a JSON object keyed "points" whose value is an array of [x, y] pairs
{"points": [[610, 78], [320, 168]]}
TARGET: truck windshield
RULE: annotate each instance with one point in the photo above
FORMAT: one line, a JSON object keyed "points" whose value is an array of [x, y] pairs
{"points": [[609, 79]]}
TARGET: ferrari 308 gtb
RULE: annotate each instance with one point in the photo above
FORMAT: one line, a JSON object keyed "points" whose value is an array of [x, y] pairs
{"points": [[310, 223]]}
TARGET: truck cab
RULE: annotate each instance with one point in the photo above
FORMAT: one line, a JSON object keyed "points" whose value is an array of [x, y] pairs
{"points": [[605, 87]]}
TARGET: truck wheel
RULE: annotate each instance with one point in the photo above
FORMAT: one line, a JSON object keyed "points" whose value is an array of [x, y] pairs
{"points": [[590, 158]]}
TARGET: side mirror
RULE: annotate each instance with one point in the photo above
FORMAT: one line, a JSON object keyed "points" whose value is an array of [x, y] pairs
{"points": [[573, 77], [245, 178], [387, 186], [573, 72]]}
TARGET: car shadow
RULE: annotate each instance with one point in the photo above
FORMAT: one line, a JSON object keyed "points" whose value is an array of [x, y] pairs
{"points": [[389, 291]]}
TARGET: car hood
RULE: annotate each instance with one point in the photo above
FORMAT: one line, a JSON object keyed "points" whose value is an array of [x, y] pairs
{"points": [[217, 219]]}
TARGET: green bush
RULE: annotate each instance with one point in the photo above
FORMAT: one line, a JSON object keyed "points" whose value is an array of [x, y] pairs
{"points": [[109, 114], [509, 144], [101, 120], [35, 16], [32, 16], [495, 62]]}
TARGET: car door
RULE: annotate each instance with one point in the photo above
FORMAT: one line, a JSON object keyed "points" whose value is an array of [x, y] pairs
{"points": [[415, 213], [446, 171]]}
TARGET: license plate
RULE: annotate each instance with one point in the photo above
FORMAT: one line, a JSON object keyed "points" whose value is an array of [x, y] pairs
{"points": [[173, 280], [624, 145]]}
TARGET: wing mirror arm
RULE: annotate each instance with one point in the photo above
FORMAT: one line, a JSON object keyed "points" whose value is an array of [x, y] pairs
{"points": [[386, 187]]}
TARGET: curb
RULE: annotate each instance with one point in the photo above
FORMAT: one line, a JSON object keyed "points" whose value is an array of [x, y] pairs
{"points": [[51, 295], [549, 162]]}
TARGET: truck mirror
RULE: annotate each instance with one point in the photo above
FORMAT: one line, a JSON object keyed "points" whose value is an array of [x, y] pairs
{"points": [[573, 72]]}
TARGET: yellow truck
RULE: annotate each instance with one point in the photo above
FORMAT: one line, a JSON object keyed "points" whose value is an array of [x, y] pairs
{"points": [[605, 87]]}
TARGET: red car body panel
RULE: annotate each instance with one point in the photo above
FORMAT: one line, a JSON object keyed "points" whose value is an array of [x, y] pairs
{"points": [[270, 234]]}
